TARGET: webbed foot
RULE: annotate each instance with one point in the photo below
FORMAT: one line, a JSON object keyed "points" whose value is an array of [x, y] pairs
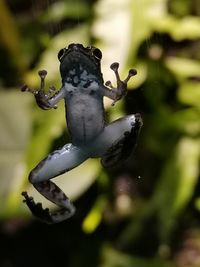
{"points": [[44, 214], [37, 209], [42, 99], [121, 88]]}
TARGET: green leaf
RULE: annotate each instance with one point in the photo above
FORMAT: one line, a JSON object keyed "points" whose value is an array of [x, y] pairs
{"points": [[183, 67], [94, 217], [180, 7], [172, 193], [179, 29], [114, 43], [145, 15], [133, 27], [115, 258], [65, 10], [49, 125], [189, 93], [187, 121], [176, 184], [9, 35], [15, 124]]}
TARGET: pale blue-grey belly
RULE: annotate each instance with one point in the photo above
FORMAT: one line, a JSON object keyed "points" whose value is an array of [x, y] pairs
{"points": [[85, 119]]}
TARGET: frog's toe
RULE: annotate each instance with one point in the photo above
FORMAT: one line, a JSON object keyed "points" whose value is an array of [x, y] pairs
{"points": [[37, 209], [44, 214]]}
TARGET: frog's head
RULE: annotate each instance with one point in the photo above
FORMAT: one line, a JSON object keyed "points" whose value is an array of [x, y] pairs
{"points": [[77, 59]]}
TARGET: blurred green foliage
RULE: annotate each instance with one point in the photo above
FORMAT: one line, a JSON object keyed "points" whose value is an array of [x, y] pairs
{"points": [[149, 205]]}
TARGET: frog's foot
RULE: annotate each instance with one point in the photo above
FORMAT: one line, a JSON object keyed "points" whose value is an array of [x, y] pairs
{"points": [[36, 209], [54, 194], [56, 163], [121, 89], [41, 97], [122, 147]]}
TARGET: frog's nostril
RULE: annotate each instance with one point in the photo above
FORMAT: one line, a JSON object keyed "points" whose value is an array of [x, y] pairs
{"points": [[75, 47]]}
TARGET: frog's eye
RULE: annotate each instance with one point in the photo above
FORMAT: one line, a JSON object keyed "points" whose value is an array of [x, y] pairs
{"points": [[61, 53], [97, 53]]}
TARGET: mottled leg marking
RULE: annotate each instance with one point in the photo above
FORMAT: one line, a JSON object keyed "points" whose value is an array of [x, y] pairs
{"points": [[52, 192], [121, 148], [131, 137], [56, 163], [36, 208]]}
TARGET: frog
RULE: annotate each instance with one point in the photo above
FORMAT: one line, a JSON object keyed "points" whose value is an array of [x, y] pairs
{"points": [[91, 136]]}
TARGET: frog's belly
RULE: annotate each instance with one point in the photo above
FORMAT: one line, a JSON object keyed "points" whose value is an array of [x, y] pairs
{"points": [[85, 119]]}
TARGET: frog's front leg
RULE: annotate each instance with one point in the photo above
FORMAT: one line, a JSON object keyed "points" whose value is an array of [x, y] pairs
{"points": [[56, 163], [121, 89], [45, 100]]}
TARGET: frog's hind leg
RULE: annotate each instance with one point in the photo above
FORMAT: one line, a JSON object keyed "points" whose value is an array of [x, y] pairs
{"points": [[58, 162], [119, 140]]}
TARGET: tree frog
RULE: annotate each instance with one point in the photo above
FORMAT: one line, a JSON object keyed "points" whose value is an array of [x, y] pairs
{"points": [[83, 90]]}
